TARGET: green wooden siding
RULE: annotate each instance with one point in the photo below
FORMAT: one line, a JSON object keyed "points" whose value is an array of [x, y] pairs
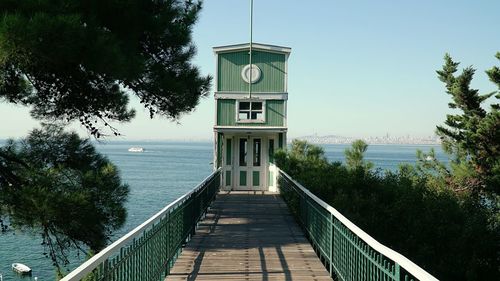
{"points": [[231, 64], [226, 113], [271, 151], [243, 178], [219, 150], [228, 178], [275, 112], [256, 178], [228, 151]]}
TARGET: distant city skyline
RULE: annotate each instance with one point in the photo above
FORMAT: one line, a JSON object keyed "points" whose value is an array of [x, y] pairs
{"points": [[371, 64], [385, 139]]}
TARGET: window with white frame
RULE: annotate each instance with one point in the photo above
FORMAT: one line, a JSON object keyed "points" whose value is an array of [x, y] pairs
{"points": [[251, 111]]}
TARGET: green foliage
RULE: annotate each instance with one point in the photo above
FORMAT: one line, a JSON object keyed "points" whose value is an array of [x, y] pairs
{"points": [[56, 184], [78, 60], [303, 160], [303, 151], [449, 234], [472, 135], [354, 156]]}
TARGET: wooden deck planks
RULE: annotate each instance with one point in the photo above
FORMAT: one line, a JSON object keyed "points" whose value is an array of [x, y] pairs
{"points": [[248, 236]]}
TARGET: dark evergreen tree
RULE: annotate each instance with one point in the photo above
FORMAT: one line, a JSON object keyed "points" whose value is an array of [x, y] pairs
{"points": [[58, 185], [79, 60], [472, 135]]}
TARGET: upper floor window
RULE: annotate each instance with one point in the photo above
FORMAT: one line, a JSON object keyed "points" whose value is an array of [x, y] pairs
{"points": [[251, 111]]}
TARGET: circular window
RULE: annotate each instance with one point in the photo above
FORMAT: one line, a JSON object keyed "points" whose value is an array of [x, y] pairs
{"points": [[245, 73]]}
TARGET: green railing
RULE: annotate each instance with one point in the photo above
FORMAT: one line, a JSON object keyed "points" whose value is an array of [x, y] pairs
{"points": [[149, 251], [346, 251]]}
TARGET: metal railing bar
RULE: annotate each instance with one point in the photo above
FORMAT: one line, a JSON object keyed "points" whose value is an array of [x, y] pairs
{"points": [[404, 262], [338, 272], [88, 266], [362, 251]]}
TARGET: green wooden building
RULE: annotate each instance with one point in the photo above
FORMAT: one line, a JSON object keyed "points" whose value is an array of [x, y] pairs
{"points": [[250, 121]]}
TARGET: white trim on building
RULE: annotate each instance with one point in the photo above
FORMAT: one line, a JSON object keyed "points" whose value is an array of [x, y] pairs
{"points": [[256, 46], [256, 96], [249, 129]]}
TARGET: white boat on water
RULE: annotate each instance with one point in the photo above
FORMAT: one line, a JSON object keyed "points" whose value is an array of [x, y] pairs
{"points": [[21, 268], [136, 149]]}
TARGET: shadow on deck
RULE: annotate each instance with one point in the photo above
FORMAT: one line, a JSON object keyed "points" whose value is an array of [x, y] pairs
{"points": [[248, 236]]}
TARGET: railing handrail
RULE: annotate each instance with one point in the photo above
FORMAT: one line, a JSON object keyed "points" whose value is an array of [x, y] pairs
{"points": [[85, 268], [404, 262]]}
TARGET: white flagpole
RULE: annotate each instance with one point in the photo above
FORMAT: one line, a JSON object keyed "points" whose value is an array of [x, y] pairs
{"points": [[251, 70]]}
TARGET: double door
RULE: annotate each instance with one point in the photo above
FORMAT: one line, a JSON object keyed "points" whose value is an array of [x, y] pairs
{"points": [[246, 162], [250, 165]]}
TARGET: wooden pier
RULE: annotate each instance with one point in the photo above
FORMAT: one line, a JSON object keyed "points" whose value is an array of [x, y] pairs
{"points": [[248, 236]]}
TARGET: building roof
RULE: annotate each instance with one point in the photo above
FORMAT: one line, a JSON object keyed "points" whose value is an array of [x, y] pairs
{"points": [[257, 46]]}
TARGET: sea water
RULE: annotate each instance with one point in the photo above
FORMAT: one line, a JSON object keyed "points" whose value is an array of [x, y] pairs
{"points": [[386, 156], [157, 176]]}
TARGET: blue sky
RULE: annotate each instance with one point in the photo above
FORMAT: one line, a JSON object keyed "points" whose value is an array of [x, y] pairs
{"points": [[357, 68]]}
